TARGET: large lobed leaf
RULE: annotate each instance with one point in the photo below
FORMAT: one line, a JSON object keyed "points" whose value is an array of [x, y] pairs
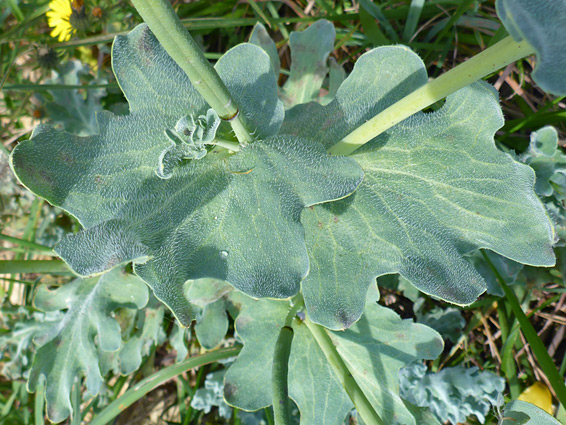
{"points": [[435, 188], [234, 218], [541, 24], [374, 349], [68, 349]]}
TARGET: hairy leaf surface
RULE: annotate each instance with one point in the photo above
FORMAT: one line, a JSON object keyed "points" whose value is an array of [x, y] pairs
{"points": [[374, 350], [68, 349], [542, 24], [435, 188], [234, 218]]}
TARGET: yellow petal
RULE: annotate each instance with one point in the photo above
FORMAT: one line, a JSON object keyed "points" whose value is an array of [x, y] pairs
{"points": [[539, 395]]}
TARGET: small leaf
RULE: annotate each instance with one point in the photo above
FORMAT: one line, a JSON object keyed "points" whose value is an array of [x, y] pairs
{"points": [[547, 159], [522, 413], [149, 333], [210, 396], [16, 348], [261, 38], [448, 322], [178, 338], [336, 77], [454, 393], [212, 325], [542, 24], [68, 349], [69, 108], [309, 52]]}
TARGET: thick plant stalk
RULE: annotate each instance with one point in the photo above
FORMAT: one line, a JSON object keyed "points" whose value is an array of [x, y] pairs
{"points": [[490, 60], [178, 43], [539, 350], [279, 377], [280, 369], [361, 403], [159, 378]]}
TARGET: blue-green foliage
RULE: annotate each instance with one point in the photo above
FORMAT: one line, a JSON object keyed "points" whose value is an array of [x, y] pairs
{"points": [[69, 108], [454, 393], [448, 322], [211, 395]]}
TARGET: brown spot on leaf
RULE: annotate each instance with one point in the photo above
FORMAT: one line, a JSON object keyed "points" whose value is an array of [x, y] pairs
{"points": [[229, 390]]}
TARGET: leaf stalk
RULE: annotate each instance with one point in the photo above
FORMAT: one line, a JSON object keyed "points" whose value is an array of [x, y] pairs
{"points": [[178, 43], [490, 60], [361, 403], [280, 369]]}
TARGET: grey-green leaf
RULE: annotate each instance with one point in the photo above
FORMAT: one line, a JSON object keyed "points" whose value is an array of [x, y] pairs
{"points": [[69, 108], [261, 38], [255, 92], [547, 159], [454, 393], [541, 24], [435, 188], [374, 350], [522, 413], [220, 216], [212, 325], [68, 349], [309, 52], [148, 333]]}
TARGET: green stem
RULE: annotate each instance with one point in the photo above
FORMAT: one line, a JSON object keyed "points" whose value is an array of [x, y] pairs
{"points": [[39, 402], [232, 146], [279, 377], [76, 403], [490, 60], [33, 266], [157, 379], [280, 369], [29, 244], [361, 403], [539, 350], [178, 43]]}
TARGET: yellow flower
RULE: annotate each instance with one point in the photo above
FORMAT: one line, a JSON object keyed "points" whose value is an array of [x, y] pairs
{"points": [[59, 19]]}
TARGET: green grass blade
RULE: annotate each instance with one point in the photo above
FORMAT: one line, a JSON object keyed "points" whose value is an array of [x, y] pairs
{"points": [[376, 12], [33, 266], [412, 19], [539, 350], [29, 244], [159, 378], [259, 12]]}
